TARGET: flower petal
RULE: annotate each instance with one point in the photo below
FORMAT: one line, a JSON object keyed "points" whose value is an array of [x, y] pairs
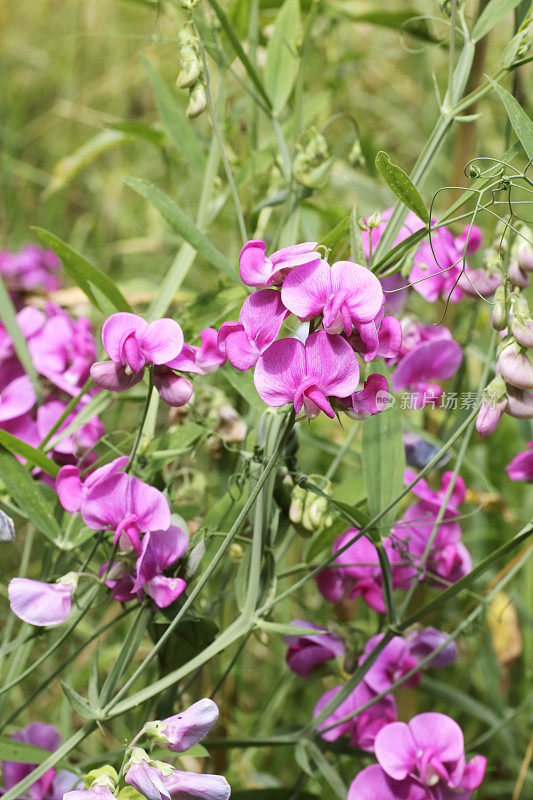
{"points": [[161, 341], [279, 371], [116, 329]]}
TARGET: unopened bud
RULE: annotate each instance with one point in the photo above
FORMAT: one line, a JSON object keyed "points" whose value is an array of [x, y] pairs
{"points": [[515, 367], [492, 406], [524, 250], [103, 776], [499, 310], [197, 101], [356, 157], [516, 276], [473, 171]]}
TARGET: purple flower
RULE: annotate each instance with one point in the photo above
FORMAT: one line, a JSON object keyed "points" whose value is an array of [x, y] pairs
{"points": [[521, 467], [422, 643], [434, 500], [394, 661], [260, 320], [437, 359], [256, 269], [50, 786], [363, 727], [182, 731], [291, 372], [346, 294], [478, 282], [429, 750], [96, 792], [30, 268], [519, 403], [380, 338], [16, 398], [308, 651], [144, 776], [373, 783], [72, 490], [78, 443], [190, 786], [161, 549], [515, 367], [201, 360], [438, 265], [39, 603], [371, 399], [127, 506]]}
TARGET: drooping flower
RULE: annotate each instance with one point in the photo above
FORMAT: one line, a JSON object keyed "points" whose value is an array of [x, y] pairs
{"points": [[256, 269], [201, 360], [516, 367], [306, 375], [39, 603], [422, 643], [50, 786], [260, 320], [145, 776], [521, 467], [394, 661], [77, 444], [308, 651], [127, 506], [436, 359], [362, 727], [182, 731], [429, 751], [346, 294], [72, 490], [192, 786], [371, 399]]}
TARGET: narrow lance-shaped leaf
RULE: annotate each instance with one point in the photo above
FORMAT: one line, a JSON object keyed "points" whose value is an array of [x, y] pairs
{"points": [[182, 224], [493, 13], [11, 750], [356, 239], [98, 286], [35, 457], [67, 169], [522, 124], [401, 185], [282, 57]]}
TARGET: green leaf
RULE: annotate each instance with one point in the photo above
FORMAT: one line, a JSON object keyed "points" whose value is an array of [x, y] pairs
{"points": [[77, 703], [285, 629], [98, 286], [522, 124], [182, 224], [127, 653], [406, 21], [495, 11], [35, 457], [401, 185], [383, 462], [11, 750], [29, 496], [8, 315], [282, 57], [243, 383], [68, 167], [174, 119], [140, 130]]}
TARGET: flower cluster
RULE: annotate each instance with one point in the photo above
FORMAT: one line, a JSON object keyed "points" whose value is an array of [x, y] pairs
{"points": [[30, 269], [133, 344], [319, 372], [156, 780]]}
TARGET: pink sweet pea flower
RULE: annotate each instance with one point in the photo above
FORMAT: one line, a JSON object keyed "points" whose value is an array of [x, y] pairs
{"points": [[373, 783], [144, 776], [51, 785], [30, 268], [437, 359], [429, 750], [30, 321], [394, 661], [346, 294], [160, 549], [16, 398], [363, 727], [434, 500], [260, 320], [381, 338], [127, 506], [201, 360], [438, 266], [308, 651], [80, 442], [422, 643], [191, 786], [72, 490], [256, 269], [39, 603], [521, 467], [291, 372], [371, 399], [182, 731]]}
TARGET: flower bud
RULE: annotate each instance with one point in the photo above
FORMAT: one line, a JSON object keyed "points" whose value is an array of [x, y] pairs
{"points": [[190, 67], [519, 404], [499, 310], [515, 367], [197, 101], [493, 405], [144, 776], [516, 276], [524, 254], [309, 511], [182, 731], [522, 329]]}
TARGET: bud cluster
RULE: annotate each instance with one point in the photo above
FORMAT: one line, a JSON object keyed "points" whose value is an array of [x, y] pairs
{"points": [[190, 75]]}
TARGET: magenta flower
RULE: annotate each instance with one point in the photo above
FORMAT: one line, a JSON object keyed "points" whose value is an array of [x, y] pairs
{"points": [[144, 776], [256, 269], [363, 727], [30, 268], [478, 282], [201, 360], [50, 786], [16, 398], [438, 266], [346, 294], [78, 443], [291, 372], [373, 783], [521, 467], [371, 399], [191, 786], [72, 490], [371, 238], [308, 651], [39, 603], [394, 661], [434, 500], [422, 643], [182, 731], [260, 320], [429, 751], [127, 506], [437, 359], [381, 338], [30, 320]]}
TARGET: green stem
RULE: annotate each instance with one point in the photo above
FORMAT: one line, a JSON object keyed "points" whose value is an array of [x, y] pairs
{"points": [[140, 429]]}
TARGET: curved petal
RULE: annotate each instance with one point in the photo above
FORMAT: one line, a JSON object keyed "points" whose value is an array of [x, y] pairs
{"points": [[396, 750], [160, 549], [189, 727], [436, 359], [174, 389], [69, 488], [306, 289], [113, 376], [149, 505], [241, 351], [262, 316], [161, 341], [279, 371], [365, 296], [254, 267], [116, 329], [390, 338], [190, 786], [332, 362], [17, 398], [232, 326], [163, 590], [440, 733], [40, 603], [106, 503], [373, 783]]}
